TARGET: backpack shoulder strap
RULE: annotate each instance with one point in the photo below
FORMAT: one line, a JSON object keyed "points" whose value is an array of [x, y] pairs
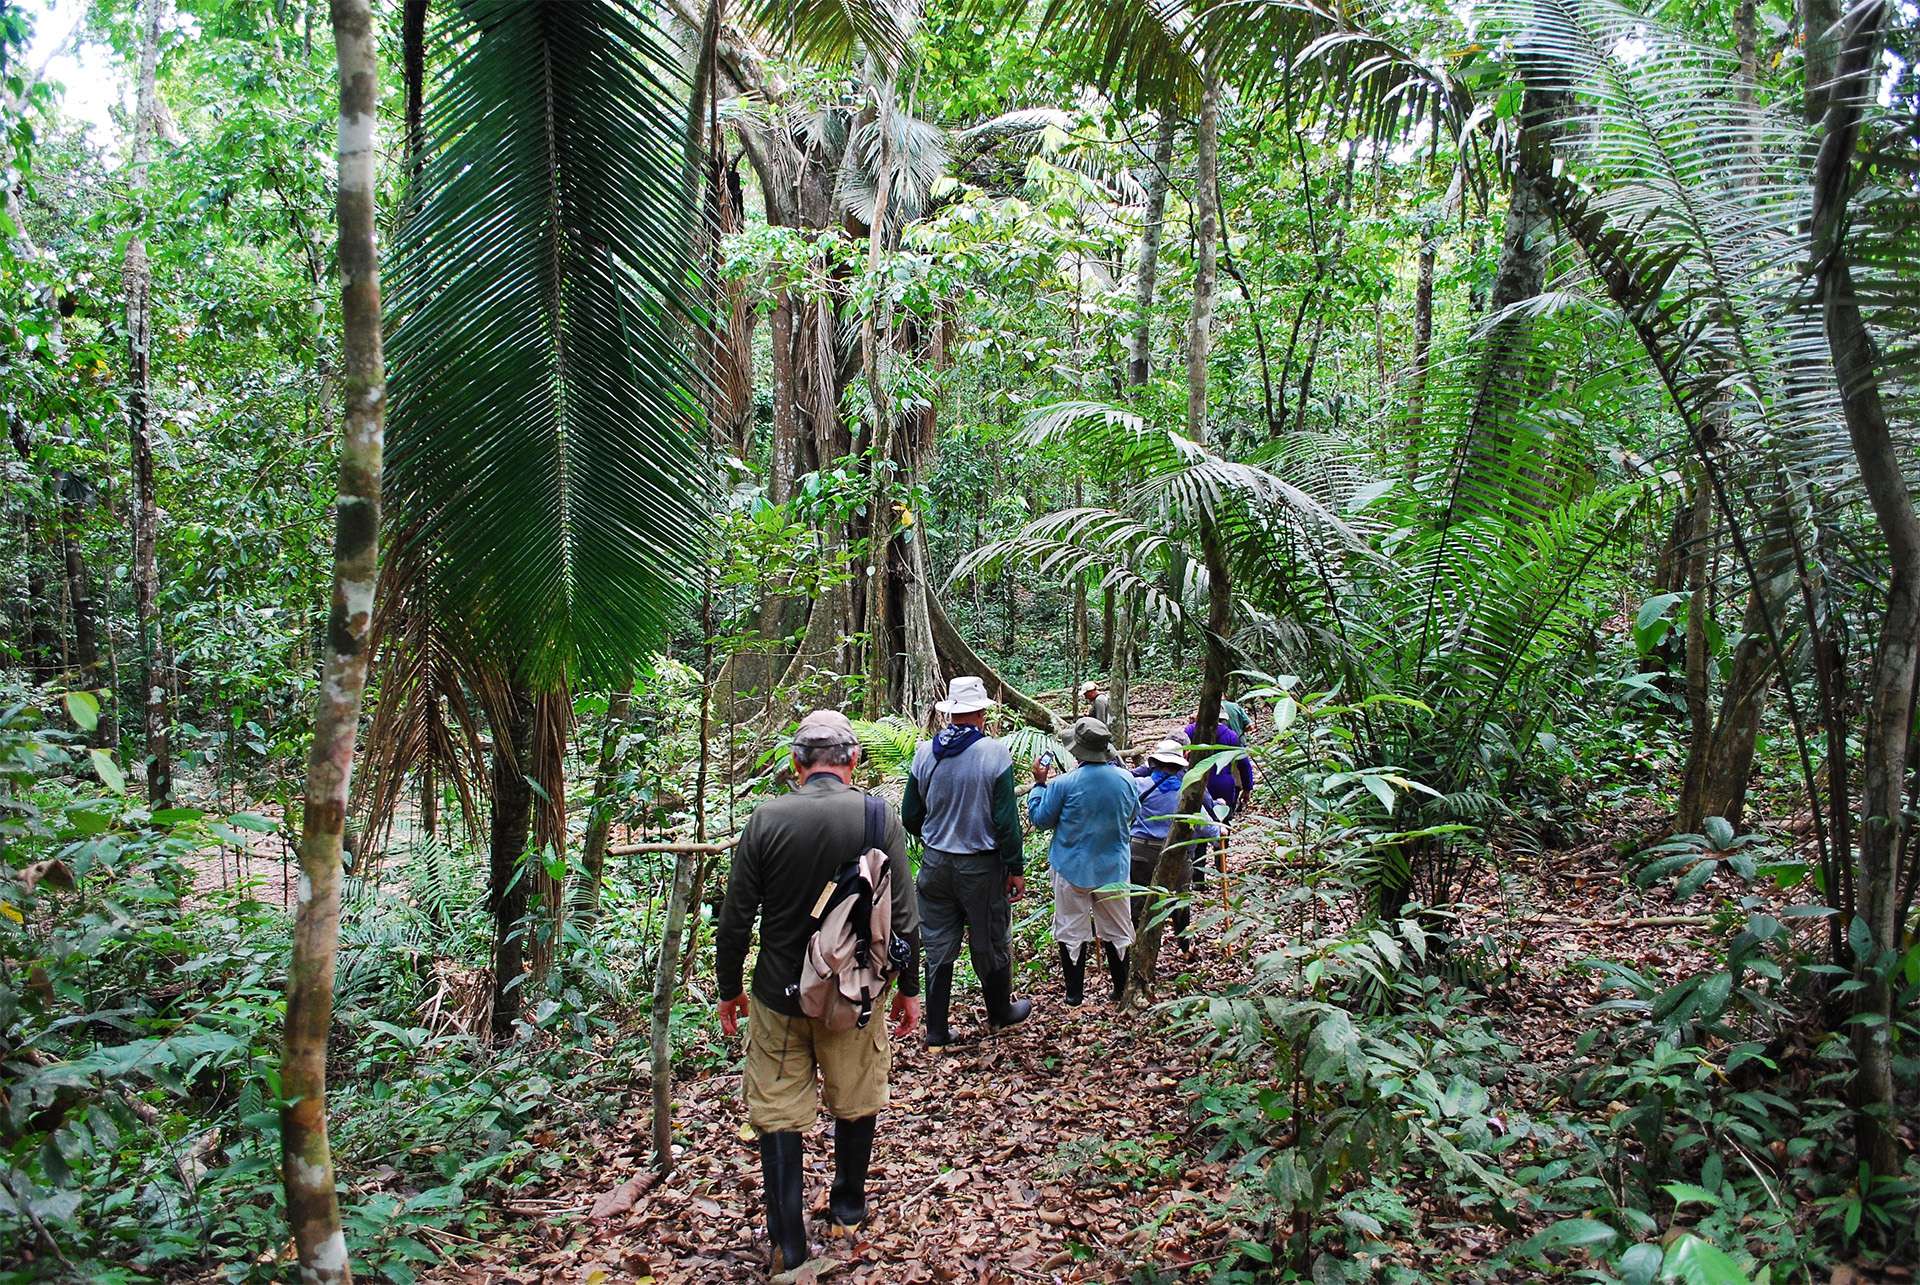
{"points": [[876, 822]]}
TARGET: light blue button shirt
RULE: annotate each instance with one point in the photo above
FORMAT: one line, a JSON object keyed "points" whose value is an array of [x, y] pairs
{"points": [[1089, 810]]}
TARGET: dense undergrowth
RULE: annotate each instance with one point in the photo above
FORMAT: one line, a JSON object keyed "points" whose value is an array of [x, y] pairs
{"points": [[1371, 1087]]}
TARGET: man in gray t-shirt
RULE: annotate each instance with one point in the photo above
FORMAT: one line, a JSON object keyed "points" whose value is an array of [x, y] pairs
{"points": [[960, 803]]}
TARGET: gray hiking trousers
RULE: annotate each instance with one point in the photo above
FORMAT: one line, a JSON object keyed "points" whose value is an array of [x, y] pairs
{"points": [[965, 894]]}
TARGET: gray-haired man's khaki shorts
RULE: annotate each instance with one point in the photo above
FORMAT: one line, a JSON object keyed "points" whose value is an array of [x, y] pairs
{"points": [[787, 1057]]}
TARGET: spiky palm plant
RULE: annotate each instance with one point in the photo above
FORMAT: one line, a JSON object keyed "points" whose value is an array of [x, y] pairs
{"points": [[541, 464], [1778, 316]]}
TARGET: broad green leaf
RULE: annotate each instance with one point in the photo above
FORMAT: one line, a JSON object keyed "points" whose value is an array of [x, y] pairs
{"points": [[1685, 1193], [1696, 1262], [1573, 1233], [252, 821], [108, 771], [1640, 1265], [84, 709]]}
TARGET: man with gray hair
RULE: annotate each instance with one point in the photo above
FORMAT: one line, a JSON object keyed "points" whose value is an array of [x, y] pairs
{"points": [[792, 847], [960, 803]]}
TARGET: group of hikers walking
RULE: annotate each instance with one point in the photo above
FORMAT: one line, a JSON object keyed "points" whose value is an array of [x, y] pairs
{"points": [[823, 871]]}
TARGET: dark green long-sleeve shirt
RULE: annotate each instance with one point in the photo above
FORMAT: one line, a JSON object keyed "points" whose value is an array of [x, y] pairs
{"points": [[792, 847]]}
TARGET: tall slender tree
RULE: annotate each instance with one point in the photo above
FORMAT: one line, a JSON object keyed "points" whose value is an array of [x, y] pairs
{"points": [[138, 276], [306, 1155]]}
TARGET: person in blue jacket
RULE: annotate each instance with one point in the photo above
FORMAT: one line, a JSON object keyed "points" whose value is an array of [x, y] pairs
{"points": [[1160, 780], [1090, 811]]}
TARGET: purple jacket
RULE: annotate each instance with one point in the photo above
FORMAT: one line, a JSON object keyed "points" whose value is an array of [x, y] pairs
{"points": [[1226, 783]]}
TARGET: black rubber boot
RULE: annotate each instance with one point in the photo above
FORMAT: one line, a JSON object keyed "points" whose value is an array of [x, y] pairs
{"points": [[1003, 1010], [1073, 975], [939, 1002], [852, 1151], [1116, 972], [783, 1175]]}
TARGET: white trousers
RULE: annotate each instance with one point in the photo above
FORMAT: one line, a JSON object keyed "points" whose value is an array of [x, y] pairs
{"points": [[1082, 914]]}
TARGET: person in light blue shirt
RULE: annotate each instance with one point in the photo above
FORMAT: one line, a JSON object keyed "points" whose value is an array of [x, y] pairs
{"points": [[1090, 811]]}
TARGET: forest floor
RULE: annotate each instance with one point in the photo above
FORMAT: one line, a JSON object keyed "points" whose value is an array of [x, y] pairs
{"points": [[1064, 1150]]}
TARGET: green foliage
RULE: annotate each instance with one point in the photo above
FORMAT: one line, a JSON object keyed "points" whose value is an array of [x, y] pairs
{"points": [[539, 435]]}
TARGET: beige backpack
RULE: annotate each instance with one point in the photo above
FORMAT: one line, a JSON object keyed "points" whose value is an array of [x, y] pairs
{"points": [[853, 955]]}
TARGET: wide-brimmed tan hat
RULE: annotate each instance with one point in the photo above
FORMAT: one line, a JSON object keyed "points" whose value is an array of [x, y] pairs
{"points": [[965, 695], [1169, 753], [824, 727], [1090, 741]]}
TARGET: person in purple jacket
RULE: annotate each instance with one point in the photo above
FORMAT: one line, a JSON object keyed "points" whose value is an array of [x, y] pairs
{"points": [[1233, 780]]}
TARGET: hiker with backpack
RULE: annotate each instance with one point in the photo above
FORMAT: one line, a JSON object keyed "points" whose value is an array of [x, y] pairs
{"points": [[1161, 780], [824, 871], [960, 803], [1089, 810]]}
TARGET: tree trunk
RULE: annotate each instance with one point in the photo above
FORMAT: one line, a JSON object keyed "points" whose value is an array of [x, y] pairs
{"points": [[1886, 739], [593, 852], [1140, 340], [429, 802], [1206, 235], [873, 333], [508, 882], [307, 1158], [1120, 674], [413, 73], [957, 656], [138, 275], [1175, 867], [1729, 755], [1743, 700], [1521, 274], [1422, 351], [666, 973], [1699, 675], [1174, 871], [1106, 627], [75, 494]]}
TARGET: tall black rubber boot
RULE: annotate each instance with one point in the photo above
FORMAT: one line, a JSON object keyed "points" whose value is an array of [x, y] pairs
{"points": [[1073, 975], [852, 1152], [1116, 972], [783, 1175], [939, 1003], [1003, 1010]]}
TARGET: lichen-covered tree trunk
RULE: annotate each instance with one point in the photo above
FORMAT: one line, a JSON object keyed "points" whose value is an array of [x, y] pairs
{"points": [[1699, 660], [138, 279], [1140, 339], [1422, 350], [1206, 236], [307, 1159]]}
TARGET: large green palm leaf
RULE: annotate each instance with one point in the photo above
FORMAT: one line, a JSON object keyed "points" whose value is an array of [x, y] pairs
{"points": [[540, 454]]}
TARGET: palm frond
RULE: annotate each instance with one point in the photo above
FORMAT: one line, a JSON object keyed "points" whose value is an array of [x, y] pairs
{"points": [[834, 32], [1141, 49], [918, 158], [539, 441]]}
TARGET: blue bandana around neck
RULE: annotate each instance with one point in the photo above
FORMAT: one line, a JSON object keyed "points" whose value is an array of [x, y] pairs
{"points": [[954, 739]]}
